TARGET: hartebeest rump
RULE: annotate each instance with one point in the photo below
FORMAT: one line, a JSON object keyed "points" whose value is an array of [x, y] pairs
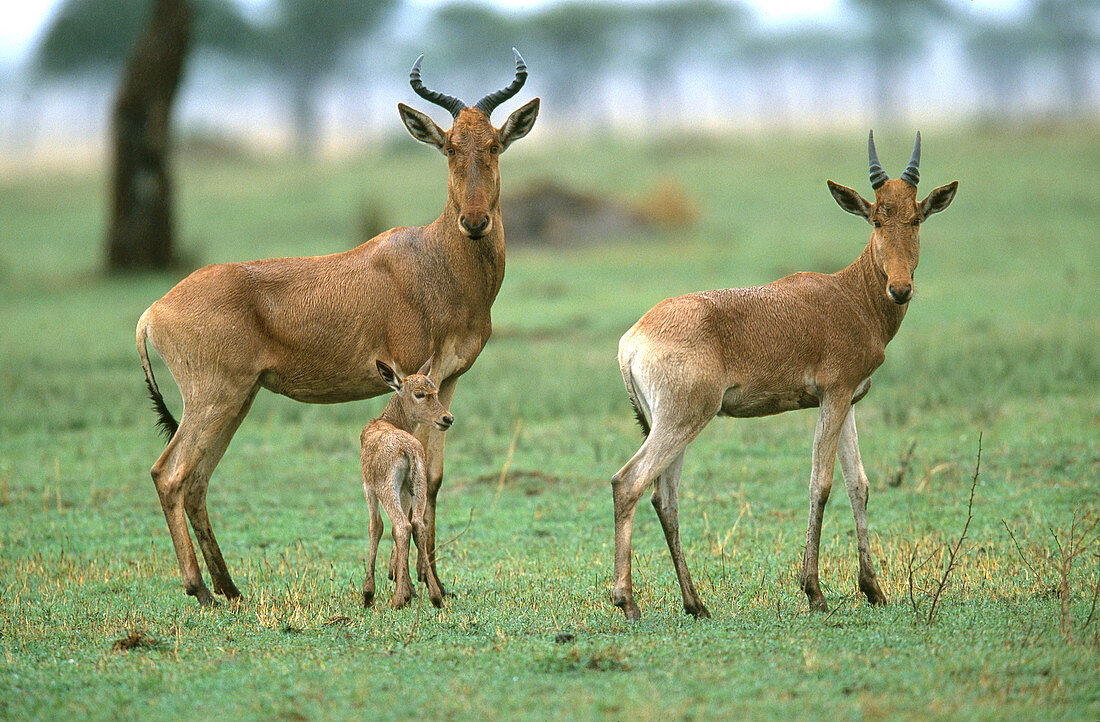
{"points": [[311, 328], [809, 339], [393, 464]]}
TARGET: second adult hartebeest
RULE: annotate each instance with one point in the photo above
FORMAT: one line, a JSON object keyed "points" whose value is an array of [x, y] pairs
{"points": [[809, 339], [311, 328]]}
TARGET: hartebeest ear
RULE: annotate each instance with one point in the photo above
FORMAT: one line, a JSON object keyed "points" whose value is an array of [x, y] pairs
{"points": [[939, 199], [519, 123], [426, 368], [421, 126], [849, 200], [388, 375]]}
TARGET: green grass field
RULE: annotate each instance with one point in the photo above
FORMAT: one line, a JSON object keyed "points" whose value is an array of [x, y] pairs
{"points": [[1003, 340]]}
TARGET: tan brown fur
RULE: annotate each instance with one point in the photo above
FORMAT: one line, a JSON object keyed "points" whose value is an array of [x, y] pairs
{"points": [[309, 328], [806, 340], [393, 465]]}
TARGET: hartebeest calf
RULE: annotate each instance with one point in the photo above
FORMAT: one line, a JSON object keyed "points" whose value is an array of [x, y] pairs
{"points": [[392, 459], [310, 328], [809, 339]]}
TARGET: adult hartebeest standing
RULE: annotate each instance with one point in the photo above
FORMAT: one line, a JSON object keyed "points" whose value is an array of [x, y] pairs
{"points": [[311, 328], [809, 339]]}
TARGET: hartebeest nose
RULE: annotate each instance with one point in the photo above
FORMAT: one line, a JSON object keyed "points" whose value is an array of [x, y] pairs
{"points": [[445, 422], [900, 292], [474, 225]]}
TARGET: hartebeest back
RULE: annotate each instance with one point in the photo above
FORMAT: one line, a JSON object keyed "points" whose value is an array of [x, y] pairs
{"points": [[806, 340], [311, 328]]}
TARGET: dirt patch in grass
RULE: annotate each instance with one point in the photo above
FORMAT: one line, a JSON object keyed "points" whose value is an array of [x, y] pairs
{"points": [[134, 639]]}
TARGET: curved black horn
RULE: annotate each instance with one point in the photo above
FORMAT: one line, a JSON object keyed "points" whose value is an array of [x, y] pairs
{"points": [[912, 172], [878, 175], [489, 103], [451, 103]]}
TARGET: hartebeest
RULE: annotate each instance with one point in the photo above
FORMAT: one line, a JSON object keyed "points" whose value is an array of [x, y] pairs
{"points": [[809, 339], [310, 328], [392, 459]]}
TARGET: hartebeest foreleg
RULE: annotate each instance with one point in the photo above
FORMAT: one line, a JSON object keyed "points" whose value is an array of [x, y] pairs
{"points": [[433, 441], [830, 421], [855, 481]]}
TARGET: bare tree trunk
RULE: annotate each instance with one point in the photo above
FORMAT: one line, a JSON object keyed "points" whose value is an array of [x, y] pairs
{"points": [[140, 236]]}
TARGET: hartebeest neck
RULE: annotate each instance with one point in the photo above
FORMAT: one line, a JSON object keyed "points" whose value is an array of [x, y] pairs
{"points": [[394, 414], [480, 259], [867, 281]]}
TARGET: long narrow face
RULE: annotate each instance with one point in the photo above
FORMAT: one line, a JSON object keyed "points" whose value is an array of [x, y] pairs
{"points": [[895, 217], [473, 150], [472, 146]]}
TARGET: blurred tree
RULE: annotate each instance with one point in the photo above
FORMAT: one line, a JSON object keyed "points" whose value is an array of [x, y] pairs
{"points": [[897, 34], [998, 53], [667, 37], [1068, 33], [575, 40], [99, 35], [306, 43], [451, 28], [141, 234]]}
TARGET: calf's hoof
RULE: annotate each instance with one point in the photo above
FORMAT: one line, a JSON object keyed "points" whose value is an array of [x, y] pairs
{"points": [[699, 611], [630, 609], [400, 601], [202, 594], [869, 586]]}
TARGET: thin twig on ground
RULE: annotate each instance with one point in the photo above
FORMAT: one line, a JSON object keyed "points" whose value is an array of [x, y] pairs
{"points": [[508, 460], [953, 557]]}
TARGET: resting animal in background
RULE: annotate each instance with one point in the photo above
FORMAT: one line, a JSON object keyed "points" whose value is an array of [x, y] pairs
{"points": [[308, 327], [394, 474], [810, 339]]}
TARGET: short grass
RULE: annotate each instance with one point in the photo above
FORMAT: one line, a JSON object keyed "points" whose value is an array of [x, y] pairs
{"points": [[1003, 340]]}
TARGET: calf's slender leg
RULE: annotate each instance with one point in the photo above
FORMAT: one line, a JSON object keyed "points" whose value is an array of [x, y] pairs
{"points": [[375, 534]]}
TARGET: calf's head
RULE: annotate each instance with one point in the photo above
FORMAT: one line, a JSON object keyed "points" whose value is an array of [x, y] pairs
{"points": [[418, 396], [472, 145], [896, 216]]}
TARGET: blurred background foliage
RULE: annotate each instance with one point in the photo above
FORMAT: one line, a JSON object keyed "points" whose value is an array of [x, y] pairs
{"points": [[324, 76]]}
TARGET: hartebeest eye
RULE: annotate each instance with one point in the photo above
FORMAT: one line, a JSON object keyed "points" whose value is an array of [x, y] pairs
{"points": [[419, 394], [451, 151], [915, 222], [876, 223], [494, 149]]}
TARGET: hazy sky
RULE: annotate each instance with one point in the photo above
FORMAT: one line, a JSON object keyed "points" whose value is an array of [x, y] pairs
{"points": [[22, 20]]}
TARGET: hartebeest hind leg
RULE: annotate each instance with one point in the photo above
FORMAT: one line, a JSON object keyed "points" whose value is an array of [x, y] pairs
{"points": [[834, 408], [665, 502], [181, 475], [665, 443], [855, 480]]}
